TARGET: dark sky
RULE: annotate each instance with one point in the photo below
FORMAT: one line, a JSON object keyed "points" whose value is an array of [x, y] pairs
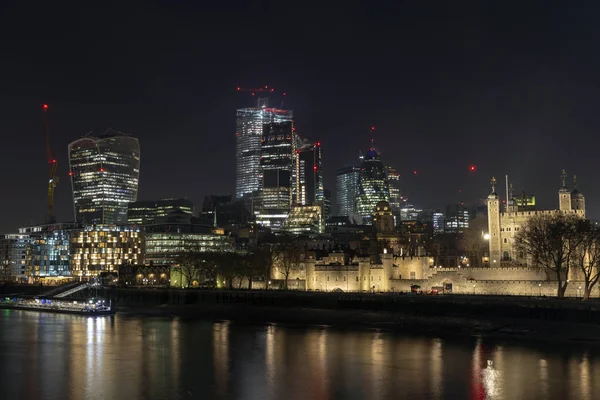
{"points": [[511, 87]]}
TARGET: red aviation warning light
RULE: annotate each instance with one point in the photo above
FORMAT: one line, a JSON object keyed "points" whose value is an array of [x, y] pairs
{"points": [[70, 173], [45, 107], [414, 172], [315, 168], [472, 168]]}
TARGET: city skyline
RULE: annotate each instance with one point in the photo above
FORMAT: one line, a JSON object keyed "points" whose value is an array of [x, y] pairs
{"points": [[481, 91]]}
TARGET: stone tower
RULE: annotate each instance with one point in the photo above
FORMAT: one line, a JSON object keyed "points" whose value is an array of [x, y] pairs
{"points": [[577, 199], [493, 203], [383, 218], [564, 194]]}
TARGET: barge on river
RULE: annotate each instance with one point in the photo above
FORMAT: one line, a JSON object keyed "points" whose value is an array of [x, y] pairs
{"points": [[88, 308]]}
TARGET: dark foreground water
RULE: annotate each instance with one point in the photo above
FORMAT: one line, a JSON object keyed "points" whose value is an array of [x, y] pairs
{"points": [[51, 356]]}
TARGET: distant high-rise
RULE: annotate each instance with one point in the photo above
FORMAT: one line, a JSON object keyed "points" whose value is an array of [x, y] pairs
{"points": [[309, 174], [346, 191], [146, 212], [249, 134], [395, 194], [276, 169], [372, 186], [104, 172]]}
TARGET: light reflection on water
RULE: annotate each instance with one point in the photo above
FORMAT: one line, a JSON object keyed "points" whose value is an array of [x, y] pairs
{"points": [[52, 356]]}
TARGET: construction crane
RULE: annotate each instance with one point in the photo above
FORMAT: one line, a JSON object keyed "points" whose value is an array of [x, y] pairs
{"points": [[52, 166]]}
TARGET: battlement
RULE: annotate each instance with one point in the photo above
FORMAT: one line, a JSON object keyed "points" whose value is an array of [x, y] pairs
{"points": [[540, 212]]}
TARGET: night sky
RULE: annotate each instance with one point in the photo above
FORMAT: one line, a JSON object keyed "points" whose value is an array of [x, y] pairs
{"points": [[512, 88]]}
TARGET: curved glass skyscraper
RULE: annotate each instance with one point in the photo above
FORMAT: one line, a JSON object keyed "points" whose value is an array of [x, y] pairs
{"points": [[104, 172], [372, 186]]}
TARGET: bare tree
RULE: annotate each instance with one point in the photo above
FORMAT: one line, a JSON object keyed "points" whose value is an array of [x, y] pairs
{"points": [[474, 242], [189, 265], [551, 240], [287, 257], [586, 258]]}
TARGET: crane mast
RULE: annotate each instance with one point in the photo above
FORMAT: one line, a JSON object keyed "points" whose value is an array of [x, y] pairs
{"points": [[52, 166]]}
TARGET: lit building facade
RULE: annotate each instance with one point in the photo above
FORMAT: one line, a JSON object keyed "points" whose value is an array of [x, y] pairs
{"points": [[395, 194], [103, 248], [167, 243], [146, 212], [47, 250], [249, 135], [276, 167], [372, 186], [409, 212], [439, 222], [457, 219], [346, 191], [305, 219], [309, 175], [14, 248], [141, 212], [104, 172]]}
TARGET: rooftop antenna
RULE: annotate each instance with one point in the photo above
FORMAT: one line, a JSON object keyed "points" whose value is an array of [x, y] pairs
{"points": [[372, 138]]}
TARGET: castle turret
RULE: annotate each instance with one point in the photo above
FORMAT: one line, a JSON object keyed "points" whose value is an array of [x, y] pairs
{"points": [[577, 199], [493, 203], [564, 194]]}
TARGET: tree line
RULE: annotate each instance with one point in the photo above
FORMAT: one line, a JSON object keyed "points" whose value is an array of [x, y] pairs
{"points": [[562, 244], [211, 269]]}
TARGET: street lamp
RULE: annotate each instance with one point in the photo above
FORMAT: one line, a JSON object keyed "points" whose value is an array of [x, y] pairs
{"points": [[474, 289], [540, 286], [486, 236], [579, 291]]}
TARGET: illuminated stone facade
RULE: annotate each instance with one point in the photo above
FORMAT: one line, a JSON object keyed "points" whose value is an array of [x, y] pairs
{"points": [[504, 225], [103, 248]]}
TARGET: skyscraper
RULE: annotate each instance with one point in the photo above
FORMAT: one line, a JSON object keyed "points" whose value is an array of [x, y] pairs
{"points": [[276, 168], [395, 196], [346, 191], [372, 186], [249, 132], [309, 174], [104, 172]]}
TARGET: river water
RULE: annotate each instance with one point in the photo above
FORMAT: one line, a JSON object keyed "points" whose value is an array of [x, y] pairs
{"points": [[53, 356]]}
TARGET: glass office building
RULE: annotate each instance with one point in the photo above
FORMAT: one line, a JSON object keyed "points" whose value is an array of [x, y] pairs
{"points": [[309, 174], [395, 193], [167, 243], [346, 191], [278, 148], [249, 133], [372, 186], [104, 172]]}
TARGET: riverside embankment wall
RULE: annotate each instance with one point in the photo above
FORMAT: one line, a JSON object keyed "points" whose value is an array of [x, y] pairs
{"points": [[488, 307]]}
